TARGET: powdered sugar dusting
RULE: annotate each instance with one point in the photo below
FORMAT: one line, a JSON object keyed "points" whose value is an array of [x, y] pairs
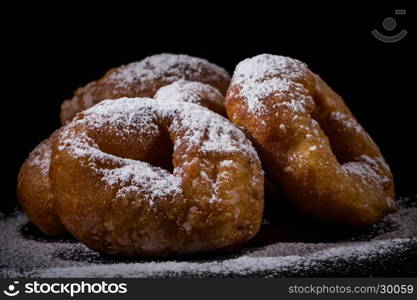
{"points": [[166, 66], [394, 238], [365, 168], [264, 75], [346, 121], [200, 128], [242, 266], [227, 163], [40, 157], [150, 182], [189, 91]]}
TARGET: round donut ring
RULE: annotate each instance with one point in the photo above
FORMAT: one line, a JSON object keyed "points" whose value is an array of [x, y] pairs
{"points": [[143, 79], [310, 144], [113, 195], [34, 192], [193, 92]]}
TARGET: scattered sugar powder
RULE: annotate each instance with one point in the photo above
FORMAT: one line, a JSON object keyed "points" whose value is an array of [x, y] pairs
{"points": [[264, 75], [170, 67], [227, 163], [384, 246], [144, 179], [40, 157], [346, 121], [365, 169], [242, 266]]}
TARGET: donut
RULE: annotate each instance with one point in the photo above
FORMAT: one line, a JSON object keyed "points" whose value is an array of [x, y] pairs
{"points": [[114, 197], [193, 92], [34, 191], [311, 146], [143, 79]]}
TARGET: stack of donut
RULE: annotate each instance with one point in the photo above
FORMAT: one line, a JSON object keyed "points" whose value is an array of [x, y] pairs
{"points": [[147, 163]]}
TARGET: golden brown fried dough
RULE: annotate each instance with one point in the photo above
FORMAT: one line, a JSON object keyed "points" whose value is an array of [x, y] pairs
{"points": [[114, 197], [310, 144], [143, 79], [34, 192], [193, 92]]}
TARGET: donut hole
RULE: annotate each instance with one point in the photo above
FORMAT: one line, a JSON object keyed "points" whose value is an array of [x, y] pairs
{"points": [[343, 151], [319, 115], [154, 147], [347, 139], [162, 154]]}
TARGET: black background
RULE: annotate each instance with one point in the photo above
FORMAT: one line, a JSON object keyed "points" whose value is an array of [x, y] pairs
{"points": [[50, 51]]}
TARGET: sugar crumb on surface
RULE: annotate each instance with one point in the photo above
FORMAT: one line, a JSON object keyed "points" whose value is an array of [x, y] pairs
{"points": [[394, 237]]}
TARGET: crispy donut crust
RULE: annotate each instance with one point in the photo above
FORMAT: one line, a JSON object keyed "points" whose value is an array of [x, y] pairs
{"points": [[34, 191], [310, 144], [113, 196], [143, 79]]}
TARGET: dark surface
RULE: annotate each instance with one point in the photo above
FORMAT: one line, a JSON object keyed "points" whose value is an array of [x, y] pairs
{"points": [[290, 235]]}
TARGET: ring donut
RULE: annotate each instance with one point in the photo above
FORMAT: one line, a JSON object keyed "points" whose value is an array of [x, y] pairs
{"points": [[34, 192], [193, 92], [113, 195], [143, 79], [310, 144]]}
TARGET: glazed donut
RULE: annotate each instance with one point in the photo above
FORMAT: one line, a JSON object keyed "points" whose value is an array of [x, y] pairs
{"points": [[193, 92], [143, 79], [311, 146], [114, 197], [34, 192]]}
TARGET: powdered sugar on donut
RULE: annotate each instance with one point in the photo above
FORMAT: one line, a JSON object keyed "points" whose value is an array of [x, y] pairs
{"points": [[40, 157], [365, 168], [201, 127], [170, 67], [144, 179], [257, 79], [189, 91], [346, 121]]}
